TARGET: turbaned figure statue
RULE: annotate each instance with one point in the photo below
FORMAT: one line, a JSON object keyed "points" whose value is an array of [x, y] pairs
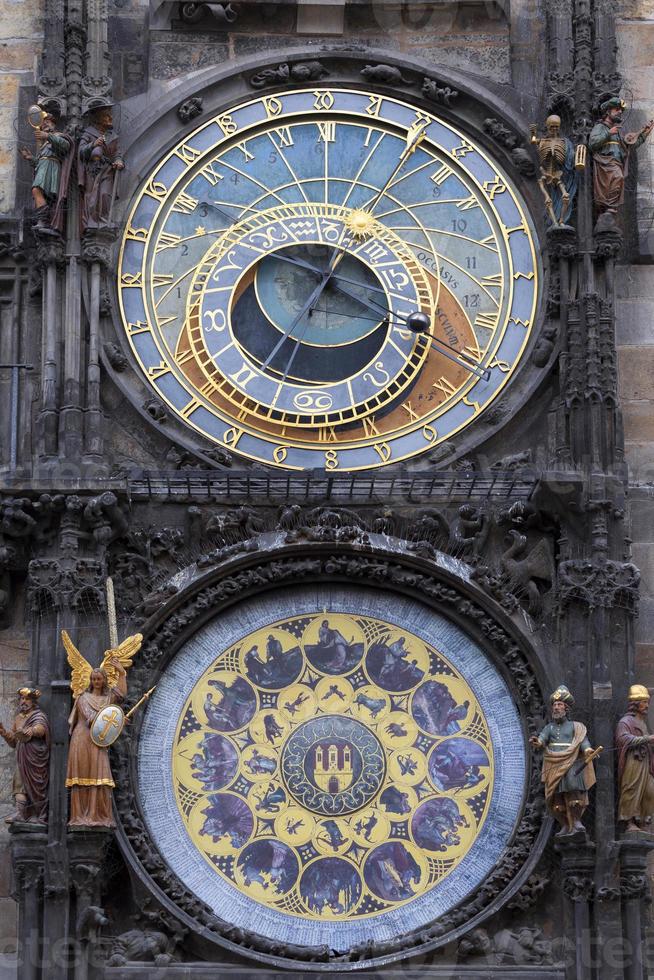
{"points": [[568, 771]]}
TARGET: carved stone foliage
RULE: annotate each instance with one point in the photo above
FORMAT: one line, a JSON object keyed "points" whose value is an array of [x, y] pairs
{"points": [[143, 558], [579, 887], [343, 562], [530, 892], [29, 524], [500, 133], [635, 885], [177, 459], [515, 568], [599, 582]]}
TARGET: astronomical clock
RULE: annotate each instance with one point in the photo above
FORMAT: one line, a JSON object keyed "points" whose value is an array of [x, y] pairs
{"points": [[327, 278]]}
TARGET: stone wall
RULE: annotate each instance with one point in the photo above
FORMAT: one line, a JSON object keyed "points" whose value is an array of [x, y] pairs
{"points": [[21, 38], [474, 39], [635, 315], [635, 36]]}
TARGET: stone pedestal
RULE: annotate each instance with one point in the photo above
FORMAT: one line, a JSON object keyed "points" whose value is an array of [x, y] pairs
{"points": [[577, 854], [634, 892], [87, 847]]}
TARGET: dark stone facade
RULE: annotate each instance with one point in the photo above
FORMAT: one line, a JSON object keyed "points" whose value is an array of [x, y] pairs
{"points": [[98, 479]]}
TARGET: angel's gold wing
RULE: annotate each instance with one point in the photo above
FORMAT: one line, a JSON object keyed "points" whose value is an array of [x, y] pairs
{"points": [[80, 676], [125, 652]]}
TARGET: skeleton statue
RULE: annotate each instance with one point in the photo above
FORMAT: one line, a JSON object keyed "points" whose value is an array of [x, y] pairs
{"points": [[558, 164]]}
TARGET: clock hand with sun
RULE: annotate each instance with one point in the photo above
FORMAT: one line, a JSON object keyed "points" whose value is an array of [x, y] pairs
{"points": [[413, 139]]}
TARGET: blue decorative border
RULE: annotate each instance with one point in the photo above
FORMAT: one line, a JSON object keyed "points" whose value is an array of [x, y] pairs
{"points": [[158, 735]]}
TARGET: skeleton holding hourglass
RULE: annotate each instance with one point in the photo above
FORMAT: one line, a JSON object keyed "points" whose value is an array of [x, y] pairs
{"points": [[559, 161]]}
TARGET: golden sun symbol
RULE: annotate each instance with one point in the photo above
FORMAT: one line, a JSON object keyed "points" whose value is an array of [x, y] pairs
{"points": [[360, 223]]}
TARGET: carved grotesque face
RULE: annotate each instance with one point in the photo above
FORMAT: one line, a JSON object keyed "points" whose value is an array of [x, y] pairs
{"points": [[558, 710]]}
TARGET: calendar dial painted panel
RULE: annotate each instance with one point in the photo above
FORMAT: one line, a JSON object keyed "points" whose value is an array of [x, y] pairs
{"points": [[320, 770], [272, 259]]}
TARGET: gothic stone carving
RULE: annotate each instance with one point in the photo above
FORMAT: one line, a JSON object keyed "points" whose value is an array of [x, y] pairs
{"points": [[599, 582], [386, 74], [440, 94], [190, 109], [302, 71]]}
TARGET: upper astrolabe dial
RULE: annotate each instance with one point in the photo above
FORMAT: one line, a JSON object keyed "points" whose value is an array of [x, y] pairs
{"points": [[274, 261]]}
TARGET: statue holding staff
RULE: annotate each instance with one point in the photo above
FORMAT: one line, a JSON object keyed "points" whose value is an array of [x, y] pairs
{"points": [[99, 162], [52, 165]]}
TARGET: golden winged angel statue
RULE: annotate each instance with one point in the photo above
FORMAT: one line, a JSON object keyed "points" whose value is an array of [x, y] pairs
{"points": [[94, 689]]}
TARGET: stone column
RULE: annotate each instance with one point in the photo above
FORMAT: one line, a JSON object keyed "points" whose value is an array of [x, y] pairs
{"points": [[634, 892], [87, 847], [50, 256], [95, 251], [577, 864], [28, 847]]}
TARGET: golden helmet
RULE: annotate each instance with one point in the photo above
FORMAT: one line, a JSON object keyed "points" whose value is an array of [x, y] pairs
{"points": [[638, 692]]}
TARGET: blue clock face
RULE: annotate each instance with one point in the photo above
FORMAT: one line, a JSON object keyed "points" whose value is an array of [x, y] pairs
{"points": [[273, 261]]}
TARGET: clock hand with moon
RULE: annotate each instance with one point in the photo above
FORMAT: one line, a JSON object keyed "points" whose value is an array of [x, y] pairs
{"points": [[417, 321]]}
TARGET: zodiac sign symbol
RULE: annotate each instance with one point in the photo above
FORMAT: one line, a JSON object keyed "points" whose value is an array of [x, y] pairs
{"points": [[218, 320], [320, 400]]}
